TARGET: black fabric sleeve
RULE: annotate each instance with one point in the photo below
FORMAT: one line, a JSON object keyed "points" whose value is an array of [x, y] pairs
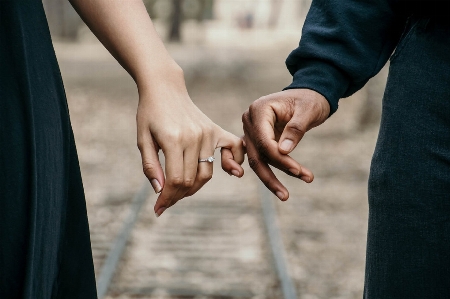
{"points": [[344, 43]]}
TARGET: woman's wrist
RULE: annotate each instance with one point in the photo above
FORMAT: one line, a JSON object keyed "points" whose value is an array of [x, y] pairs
{"points": [[168, 74]]}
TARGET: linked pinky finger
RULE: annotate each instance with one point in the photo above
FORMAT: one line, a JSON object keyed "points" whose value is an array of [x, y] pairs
{"points": [[229, 165]]}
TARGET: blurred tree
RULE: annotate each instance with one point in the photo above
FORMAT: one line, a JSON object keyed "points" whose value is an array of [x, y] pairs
{"points": [[62, 19], [304, 7], [206, 10], [275, 13], [149, 6], [176, 19], [175, 12]]}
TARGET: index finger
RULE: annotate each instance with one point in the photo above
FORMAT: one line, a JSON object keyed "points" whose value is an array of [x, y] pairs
{"points": [[264, 173]]}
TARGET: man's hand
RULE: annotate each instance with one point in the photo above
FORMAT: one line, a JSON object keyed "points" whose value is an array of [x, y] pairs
{"points": [[273, 126]]}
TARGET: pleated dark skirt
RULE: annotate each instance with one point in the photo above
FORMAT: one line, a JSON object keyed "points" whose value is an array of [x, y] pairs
{"points": [[45, 250], [408, 249]]}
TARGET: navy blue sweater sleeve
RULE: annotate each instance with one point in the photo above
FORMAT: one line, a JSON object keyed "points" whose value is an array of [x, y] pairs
{"points": [[344, 43]]}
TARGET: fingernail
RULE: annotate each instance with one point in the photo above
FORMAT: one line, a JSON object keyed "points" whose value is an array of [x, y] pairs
{"points": [[235, 172], [156, 185], [294, 171], [287, 145], [160, 211], [280, 195], [306, 179]]}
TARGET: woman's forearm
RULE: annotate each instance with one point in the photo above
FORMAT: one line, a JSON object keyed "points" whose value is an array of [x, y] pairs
{"points": [[166, 118], [125, 29]]}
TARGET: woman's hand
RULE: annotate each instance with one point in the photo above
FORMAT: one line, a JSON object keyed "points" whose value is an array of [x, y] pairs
{"points": [[167, 119]]}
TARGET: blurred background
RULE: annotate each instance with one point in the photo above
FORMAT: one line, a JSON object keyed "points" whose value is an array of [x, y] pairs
{"points": [[214, 244]]}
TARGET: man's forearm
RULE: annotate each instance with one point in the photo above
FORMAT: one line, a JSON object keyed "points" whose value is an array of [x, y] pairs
{"points": [[344, 43]]}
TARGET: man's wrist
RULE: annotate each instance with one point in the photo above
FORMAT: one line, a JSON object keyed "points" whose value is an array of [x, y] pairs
{"points": [[318, 101]]}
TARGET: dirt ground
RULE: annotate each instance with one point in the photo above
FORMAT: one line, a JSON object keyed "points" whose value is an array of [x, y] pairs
{"points": [[324, 223]]}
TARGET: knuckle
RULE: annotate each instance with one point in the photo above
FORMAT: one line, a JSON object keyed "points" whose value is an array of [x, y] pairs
{"points": [[148, 168], [189, 182], [259, 102], [253, 163], [138, 117], [255, 106], [206, 131], [260, 146], [140, 145], [246, 118], [236, 144], [174, 135], [193, 133], [176, 181]]}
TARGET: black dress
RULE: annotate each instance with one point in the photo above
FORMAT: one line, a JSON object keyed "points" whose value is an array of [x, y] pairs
{"points": [[45, 250]]}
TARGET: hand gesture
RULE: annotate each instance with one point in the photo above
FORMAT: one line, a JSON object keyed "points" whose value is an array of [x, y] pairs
{"points": [[273, 126], [167, 119]]}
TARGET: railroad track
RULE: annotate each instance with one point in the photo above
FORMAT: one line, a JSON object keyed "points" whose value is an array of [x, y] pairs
{"points": [[221, 247]]}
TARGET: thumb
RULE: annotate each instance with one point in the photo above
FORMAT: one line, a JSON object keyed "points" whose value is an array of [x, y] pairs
{"points": [[150, 161], [293, 132]]}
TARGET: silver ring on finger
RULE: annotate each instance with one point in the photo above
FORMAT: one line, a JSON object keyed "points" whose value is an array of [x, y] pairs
{"points": [[209, 159]]}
